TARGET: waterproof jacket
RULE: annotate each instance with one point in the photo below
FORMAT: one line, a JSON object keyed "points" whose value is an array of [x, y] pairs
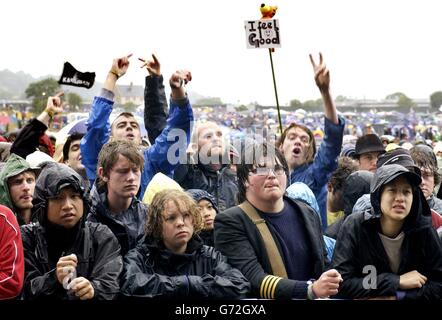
{"points": [[359, 245], [96, 248], [150, 270], [155, 157], [435, 204], [14, 166], [127, 230], [12, 266], [155, 107], [238, 238], [316, 174], [99, 261], [222, 184]]}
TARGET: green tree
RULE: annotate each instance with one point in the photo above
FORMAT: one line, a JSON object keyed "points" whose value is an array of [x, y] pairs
{"points": [[312, 104], [209, 101], [402, 100], [130, 107], [341, 98], [436, 100], [241, 108], [73, 99], [295, 103], [40, 91]]}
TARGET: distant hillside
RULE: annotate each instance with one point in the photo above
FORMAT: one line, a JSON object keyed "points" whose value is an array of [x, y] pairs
{"points": [[14, 84]]}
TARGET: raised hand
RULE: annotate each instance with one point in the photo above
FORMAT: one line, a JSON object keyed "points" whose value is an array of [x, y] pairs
{"points": [[54, 103], [153, 66], [180, 78], [120, 66], [177, 82], [322, 74], [322, 79]]}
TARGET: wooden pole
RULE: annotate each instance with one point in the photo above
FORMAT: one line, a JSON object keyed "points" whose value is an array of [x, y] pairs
{"points": [[276, 92]]}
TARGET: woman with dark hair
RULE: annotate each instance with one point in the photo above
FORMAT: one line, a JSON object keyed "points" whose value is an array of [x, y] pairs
{"points": [[67, 258], [390, 251], [208, 210], [171, 260]]}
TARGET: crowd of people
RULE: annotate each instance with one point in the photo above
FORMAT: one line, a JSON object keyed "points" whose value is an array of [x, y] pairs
{"points": [[274, 217]]}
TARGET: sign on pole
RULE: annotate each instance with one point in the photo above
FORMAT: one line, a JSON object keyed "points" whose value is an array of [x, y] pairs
{"points": [[262, 33]]}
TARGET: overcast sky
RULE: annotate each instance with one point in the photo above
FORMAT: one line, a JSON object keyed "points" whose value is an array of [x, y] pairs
{"points": [[372, 48]]}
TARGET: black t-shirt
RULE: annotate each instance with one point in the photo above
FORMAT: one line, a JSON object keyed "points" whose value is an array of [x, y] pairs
{"points": [[288, 225]]}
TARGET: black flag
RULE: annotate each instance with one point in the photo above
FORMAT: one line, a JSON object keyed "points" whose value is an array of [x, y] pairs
{"points": [[73, 77]]}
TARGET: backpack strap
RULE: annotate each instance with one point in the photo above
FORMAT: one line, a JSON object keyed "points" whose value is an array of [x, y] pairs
{"points": [[275, 258]]}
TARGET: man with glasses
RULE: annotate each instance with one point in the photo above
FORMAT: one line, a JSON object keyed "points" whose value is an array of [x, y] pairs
{"points": [[424, 158], [294, 227]]}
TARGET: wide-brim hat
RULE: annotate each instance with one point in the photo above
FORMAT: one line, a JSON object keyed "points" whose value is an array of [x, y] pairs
{"points": [[369, 143]]}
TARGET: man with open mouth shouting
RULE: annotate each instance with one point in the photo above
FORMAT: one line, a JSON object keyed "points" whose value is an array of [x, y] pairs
{"points": [[297, 143]]}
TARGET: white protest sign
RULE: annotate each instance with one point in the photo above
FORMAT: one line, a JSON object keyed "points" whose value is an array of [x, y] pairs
{"points": [[262, 33]]}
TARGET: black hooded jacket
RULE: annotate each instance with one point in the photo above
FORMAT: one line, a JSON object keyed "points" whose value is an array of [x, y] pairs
{"points": [[96, 248], [151, 270], [359, 245], [222, 184]]}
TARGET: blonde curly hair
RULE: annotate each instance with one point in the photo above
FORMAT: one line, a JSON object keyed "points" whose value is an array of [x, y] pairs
{"points": [[185, 203]]}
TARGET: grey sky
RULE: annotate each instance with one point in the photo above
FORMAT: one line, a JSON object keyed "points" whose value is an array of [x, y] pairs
{"points": [[372, 48]]}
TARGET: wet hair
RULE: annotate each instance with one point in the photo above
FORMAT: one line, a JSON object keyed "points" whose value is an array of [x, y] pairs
{"points": [[67, 145], [346, 166], [250, 155], [183, 201], [126, 115], [426, 160], [311, 149], [110, 153]]}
